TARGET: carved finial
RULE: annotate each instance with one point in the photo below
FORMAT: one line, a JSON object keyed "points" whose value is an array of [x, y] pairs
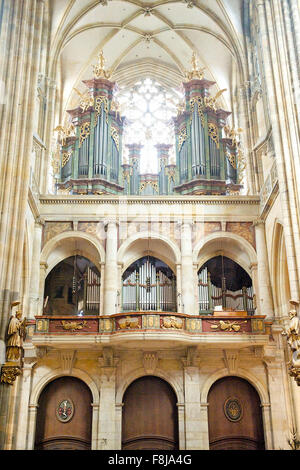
{"points": [[196, 72], [99, 69]]}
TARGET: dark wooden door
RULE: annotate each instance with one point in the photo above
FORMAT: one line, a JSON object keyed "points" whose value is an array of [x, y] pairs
{"points": [[234, 416], [149, 415], [64, 417]]}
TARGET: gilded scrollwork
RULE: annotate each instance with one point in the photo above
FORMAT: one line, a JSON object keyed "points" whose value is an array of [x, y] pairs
{"points": [[9, 373], [84, 132], [115, 136], [99, 101], [65, 158], [197, 100], [182, 136], [213, 133]]}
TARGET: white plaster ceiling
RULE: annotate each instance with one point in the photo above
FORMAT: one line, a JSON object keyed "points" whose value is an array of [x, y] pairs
{"points": [[140, 38]]}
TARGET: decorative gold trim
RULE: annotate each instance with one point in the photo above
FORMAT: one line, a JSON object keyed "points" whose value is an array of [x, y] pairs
{"points": [[98, 103], [200, 104], [9, 373], [231, 159], [213, 133], [115, 136], [99, 70], [65, 158], [154, 185], [182, 136], [85, 130]]}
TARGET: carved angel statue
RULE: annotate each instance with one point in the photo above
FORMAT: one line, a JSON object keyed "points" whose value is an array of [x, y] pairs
{"points": [[293, 331], [16, 333]]}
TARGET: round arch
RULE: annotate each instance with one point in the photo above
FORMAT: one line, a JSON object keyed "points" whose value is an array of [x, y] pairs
{"points": [[138, 373], [243, 374], [235, 247], [174, 252], [56, 374], [90, 247]]}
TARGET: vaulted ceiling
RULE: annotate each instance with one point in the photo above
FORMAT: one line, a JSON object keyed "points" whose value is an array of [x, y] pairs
{"points": [[142, 39]]}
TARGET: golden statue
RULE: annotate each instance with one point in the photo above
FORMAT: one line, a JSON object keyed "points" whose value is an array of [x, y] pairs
{"points": [[16, 333], [196, 72], [99, 70]]}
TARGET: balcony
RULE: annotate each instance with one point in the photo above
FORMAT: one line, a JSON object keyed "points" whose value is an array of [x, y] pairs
{"points": [[156, 329]]}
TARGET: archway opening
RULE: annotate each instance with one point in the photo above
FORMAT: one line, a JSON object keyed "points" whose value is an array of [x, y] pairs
{"points": [[150, 419], [149, 284], [64, 417], [73, 288], [224, 285], [234, 416]]}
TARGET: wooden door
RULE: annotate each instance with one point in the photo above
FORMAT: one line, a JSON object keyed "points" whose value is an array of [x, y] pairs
{"points": [[234, 416], [149, 415], [64, 417]]}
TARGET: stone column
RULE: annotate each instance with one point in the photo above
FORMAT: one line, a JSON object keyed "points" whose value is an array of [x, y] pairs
{"points": [[178, 290], [111, 269], [204, 436], [191, 380], [254, 277], [32, 415], [263, 274], [278, 411], [284, 133], [181, 425], [107, 410], [26, 379], [34, 293], [187, 274], [267, 424], [118, 412], [42, 278], [95, 420]]}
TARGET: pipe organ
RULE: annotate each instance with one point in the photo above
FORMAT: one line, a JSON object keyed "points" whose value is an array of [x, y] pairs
{"points": [[211, 296], [209, 159], [149, 284]]}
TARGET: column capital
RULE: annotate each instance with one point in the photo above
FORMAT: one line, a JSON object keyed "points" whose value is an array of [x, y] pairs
{"points": [[110, 221], [258, 222]]}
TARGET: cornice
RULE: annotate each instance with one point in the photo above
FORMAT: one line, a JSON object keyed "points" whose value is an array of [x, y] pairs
{"points": [[169, 200]]}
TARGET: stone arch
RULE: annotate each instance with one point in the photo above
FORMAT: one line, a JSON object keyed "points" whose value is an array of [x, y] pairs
{"points": [[56, 249], [233, 246], [243, 374], [55, 374], [126, 254], [279, 269], [138, 373]]}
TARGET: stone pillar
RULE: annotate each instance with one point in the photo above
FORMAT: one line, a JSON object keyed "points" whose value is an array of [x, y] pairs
{"points": [[187, 274], [284, 133], [254, 277], [278, 413], [26, 379], [118, 412], [32, 415], [178, 290], [42, 279], [267, 424], [111, 269], [192, 408], [34, 293], [107, 410], [95, 421], [181, 425], [264, 285]]}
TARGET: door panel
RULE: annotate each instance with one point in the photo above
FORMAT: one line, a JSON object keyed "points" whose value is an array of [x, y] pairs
{"points": [[234, 416], [64, 416], [149, 415]]}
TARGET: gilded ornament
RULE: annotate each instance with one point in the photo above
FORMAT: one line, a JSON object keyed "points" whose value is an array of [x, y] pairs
{"points": [[213, 133], [233, 409], [86, 100], [227, 325], [84, 132], [198, 100], [99, 70], [115, 136], [182, 136], [196, 72], [9, 374], [231, 159], [73, 325], [173, 323], [129, 323], [65, 158], [98, 104], [65, 132]]}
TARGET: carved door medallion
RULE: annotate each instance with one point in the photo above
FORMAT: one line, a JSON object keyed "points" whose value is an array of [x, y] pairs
{"points": [[233, 409], [65, 410]]}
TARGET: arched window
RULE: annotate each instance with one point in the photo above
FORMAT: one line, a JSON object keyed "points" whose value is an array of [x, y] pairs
{"points": [[224, 284], [73, 288], [149, 284]]}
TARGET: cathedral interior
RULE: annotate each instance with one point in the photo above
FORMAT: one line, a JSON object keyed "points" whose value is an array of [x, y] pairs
{"points": [[149, 231]]}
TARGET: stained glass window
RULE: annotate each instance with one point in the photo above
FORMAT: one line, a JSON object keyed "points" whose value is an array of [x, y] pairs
{"points": [[149, 108]]}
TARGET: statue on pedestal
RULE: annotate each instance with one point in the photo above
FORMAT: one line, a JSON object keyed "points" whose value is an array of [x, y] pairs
{"points": [[293, 339], [16, 333]]}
